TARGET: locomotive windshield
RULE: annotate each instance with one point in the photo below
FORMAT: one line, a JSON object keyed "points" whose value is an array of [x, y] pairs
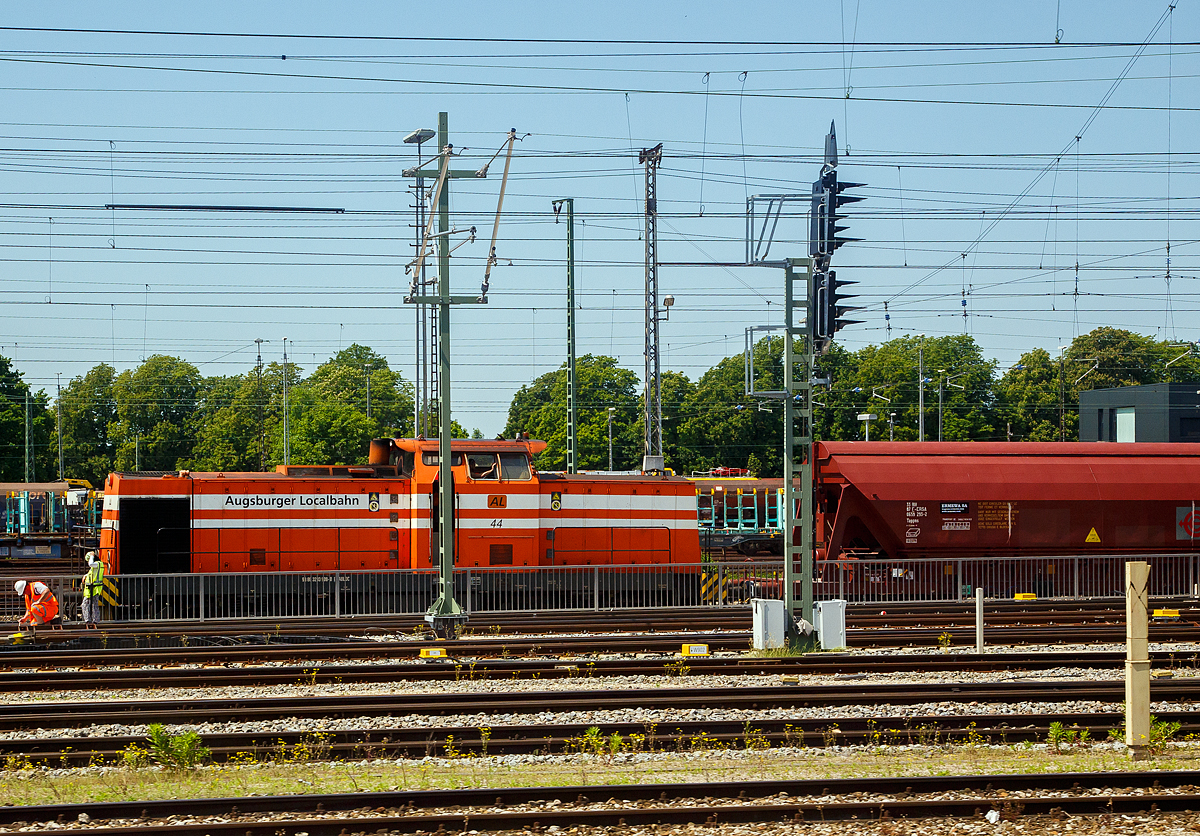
{"points": [[483, 466], [514, 466]]}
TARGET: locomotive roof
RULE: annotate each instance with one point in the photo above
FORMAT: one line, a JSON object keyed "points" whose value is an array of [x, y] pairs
{"points": [[1007, 449], [465, 445]]}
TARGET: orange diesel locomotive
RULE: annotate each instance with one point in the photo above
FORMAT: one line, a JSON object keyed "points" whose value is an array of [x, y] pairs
{"points": [[384, 515]]}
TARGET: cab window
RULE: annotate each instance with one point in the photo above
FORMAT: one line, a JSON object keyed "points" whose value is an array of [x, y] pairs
{"points": [[432, 458], [482, 466], [514, 466], [403, 461]]}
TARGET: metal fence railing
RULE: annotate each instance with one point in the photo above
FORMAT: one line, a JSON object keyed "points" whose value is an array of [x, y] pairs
{"points": [[66, 588], [203, 597], [1075, 577]]}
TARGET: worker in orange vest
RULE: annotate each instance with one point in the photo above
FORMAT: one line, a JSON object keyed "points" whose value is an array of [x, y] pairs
{"points": [[41, 607]]}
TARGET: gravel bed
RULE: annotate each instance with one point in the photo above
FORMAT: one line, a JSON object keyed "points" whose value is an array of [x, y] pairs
{"points": [[1183, 649], [1175, 824], [660, 719], [1113, 647], [473, 682], [558, 635]]}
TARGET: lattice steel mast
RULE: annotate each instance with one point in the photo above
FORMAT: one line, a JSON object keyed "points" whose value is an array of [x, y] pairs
{"points": [[653, 453]]}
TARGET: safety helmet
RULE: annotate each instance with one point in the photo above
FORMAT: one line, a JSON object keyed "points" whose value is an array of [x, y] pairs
{"points": [[19, 586], [90, 557]]}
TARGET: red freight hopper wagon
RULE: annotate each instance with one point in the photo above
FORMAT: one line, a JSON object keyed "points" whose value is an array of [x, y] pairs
{"points": [[985, 499], [384, 516]]}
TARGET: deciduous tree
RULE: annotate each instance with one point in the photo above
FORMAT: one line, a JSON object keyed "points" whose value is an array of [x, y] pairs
{"points": [[156, 414], [88, 411], [13, 393], [540, 409]]}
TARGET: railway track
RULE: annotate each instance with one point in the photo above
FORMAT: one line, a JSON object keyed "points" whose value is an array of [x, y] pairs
{"points": [[859, 616], [538, 808], [687, 736], [71, 714], [66, 673], [44, 658], [98, 651]]}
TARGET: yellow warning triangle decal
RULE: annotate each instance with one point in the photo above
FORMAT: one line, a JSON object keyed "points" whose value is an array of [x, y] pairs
{"points": [[1093, 537]]}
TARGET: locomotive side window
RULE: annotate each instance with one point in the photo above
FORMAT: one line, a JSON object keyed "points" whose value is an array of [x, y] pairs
{"points": [[402, 460], [514, 466], [432, 458], [483, 466]]}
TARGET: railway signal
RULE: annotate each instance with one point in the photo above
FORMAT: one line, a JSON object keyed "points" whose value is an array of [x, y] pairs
{"points": [[824, 229], [827, 306], [834, 200]]}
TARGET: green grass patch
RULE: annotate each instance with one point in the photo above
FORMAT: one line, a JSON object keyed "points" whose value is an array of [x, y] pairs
{"points": [[246, 776]]}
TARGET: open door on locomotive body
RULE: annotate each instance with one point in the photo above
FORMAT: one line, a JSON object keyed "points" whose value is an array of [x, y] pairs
{"points": [[435, 504]]}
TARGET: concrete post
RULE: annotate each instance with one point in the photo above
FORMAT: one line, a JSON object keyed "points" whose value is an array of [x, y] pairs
{"points": [[1137, 660], [979, 619]]}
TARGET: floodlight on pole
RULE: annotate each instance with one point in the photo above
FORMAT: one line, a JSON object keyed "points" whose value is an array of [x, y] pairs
{"points": [[445, 615], [944, 381], [611, 410], [418, 136], [867, 418]]}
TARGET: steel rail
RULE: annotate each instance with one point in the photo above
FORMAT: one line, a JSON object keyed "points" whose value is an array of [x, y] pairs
{"points": [[69, 675], [688, 736], [265, 646], [491, 647], [102, 648], [63, 714], [864, 615], [741, 801], [609, 620]]}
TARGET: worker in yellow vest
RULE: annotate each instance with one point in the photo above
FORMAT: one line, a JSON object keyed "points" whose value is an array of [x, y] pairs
{"points": [[93, 585]]}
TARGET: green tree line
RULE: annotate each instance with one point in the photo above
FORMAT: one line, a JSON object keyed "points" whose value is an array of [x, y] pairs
{"points": [[164, 415], [711, 423]]}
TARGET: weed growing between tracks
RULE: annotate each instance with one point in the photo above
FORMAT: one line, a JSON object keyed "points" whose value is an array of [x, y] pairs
{"points": [[169, 751], [292, 774], [784, 652]]}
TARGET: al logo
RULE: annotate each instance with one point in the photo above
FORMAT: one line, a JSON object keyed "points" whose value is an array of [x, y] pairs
{"points": [[556, 501], [373, 501]]}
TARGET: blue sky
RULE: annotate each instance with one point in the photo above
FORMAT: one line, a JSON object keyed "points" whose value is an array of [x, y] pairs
{"points": [[961, 118]]}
